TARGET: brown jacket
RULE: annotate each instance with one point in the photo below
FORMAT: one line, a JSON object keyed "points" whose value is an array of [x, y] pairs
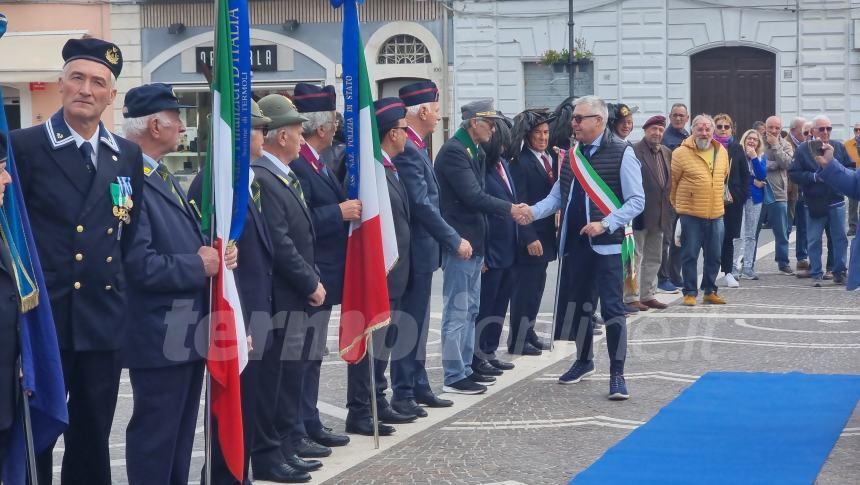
{"points": [[657, 183], [696, 189]]}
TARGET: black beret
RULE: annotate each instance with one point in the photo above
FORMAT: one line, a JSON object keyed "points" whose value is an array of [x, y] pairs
{"points": [[419, 93], [150, 98], [310, 98], [95, 50], [388, 112]]}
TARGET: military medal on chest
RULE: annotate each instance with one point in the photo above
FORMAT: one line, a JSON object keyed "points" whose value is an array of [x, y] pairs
{"points": [[122, 203]]}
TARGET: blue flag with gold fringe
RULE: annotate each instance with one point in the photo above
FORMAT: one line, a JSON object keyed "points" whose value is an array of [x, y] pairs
{"points": [[40, 354]]}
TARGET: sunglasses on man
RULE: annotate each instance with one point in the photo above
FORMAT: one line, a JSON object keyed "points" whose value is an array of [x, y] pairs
{"points": [[822, 129]]}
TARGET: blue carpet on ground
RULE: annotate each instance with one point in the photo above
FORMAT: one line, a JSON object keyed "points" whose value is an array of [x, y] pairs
{"points": [[732, 427]]}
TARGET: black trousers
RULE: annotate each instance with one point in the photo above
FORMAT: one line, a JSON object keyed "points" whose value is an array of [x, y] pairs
{"points": [[220, 473], [408, 376], [312, 354], [670, 267], [732, 220], [92, 384], [160, 434], [590, 274], [525, 303], [358, 375], [266, 451], [497, 285]]}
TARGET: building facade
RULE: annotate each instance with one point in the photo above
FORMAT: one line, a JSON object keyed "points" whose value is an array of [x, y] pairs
{"points": [[748, 58]]}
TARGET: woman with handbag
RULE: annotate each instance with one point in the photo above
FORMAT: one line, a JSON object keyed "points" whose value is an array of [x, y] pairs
{"points": [[734, 195]]}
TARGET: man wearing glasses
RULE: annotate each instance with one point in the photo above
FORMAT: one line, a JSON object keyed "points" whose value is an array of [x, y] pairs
{"points": [[852, 147], [826, 206], [591, 239]]}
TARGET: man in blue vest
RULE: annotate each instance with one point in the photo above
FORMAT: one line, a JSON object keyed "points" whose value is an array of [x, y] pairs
{"points": [[593, 239]]}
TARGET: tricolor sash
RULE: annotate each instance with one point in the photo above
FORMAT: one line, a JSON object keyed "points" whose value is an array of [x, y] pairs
{"points": [[602, 196]]}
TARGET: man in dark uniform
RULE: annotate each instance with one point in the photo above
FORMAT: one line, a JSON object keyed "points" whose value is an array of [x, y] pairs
{"points": [[330, 211], [9, 313], [534, 177], [390, 114], [593, 240], [167, 268], [296, 288], [82, 184], [428, 232]]}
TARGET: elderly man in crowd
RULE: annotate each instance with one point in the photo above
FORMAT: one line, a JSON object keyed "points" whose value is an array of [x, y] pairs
{"points": [[657, 220], [592, 233], [168, 267], [852, 147], [669, 276], [700, 168], [465, 203], [779, 153], [826, 205], [797, 134]]}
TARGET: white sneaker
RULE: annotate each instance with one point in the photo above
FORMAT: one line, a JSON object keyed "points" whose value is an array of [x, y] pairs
{"points": [[731, 282]]}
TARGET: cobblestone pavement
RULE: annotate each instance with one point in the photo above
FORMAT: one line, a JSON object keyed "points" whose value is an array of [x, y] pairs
{"points": [[530, 430]]}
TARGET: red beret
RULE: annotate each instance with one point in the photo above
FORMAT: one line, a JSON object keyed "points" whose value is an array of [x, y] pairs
{"points": [[655, 120]]}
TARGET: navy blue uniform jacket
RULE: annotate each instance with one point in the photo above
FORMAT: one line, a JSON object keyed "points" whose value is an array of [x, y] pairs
{"points": [[428, 229], [70, 217], [166, 281], [533, 185], [502, 233]]}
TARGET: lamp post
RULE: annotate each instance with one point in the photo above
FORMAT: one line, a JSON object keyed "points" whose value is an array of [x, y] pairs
{"points": [[570, 44]]}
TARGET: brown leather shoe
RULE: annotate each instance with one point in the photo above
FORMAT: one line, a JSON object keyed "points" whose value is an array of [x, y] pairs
{"points": [[804, 273], [803, 265], [828, 275], [638, 304], [713, 299], [653, 303]]}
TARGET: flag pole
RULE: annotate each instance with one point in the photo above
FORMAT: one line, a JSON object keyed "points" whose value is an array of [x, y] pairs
{"points": [[32, 474], [373, 407], [555, 304], [207, 440]]}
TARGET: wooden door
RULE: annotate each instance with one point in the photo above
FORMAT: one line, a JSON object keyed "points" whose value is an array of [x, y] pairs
{"points": [[739, 81]]}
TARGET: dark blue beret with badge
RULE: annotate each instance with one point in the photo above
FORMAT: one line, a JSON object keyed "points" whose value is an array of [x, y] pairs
{"points": [[95, 50], [419, 93], [149, 99], [310, 98], [388, 112]]}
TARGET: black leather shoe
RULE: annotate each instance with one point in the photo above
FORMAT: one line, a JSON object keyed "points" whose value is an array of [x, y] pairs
{"points": [[539, 343], [482, 379], [528, 349], [501, 364], [326, 437], [390, 416], [282, 473], [484, 368], [303, 465], [364, 427], [307, 448], [409, 406], [434, 401]]}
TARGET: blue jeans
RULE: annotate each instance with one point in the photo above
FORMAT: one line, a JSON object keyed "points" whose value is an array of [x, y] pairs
{"points": [[777, 214], [461, 295], [705, 235], [801, 215], [815, 225]]}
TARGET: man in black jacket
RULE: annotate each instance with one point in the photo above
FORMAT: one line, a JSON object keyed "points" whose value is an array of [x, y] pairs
{"points": [[297, 287], [465, 205], [9, 312], [826, 206]]}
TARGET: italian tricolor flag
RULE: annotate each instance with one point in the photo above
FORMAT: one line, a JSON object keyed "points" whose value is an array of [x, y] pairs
{"points": [[225, 179], [372, 247]]}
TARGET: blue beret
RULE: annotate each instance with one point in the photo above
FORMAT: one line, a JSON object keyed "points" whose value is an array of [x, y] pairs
{"points": [[149, 99], [310, 98], [388, 112], [419, 93], [95, 50]]}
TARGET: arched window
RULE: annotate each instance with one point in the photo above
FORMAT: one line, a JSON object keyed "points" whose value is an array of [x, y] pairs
{"points": [[403, 49]]}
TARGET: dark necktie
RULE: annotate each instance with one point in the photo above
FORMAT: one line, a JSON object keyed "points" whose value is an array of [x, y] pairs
{"points": [[255, 195], [548, 167], [165, 174], [86, 150], [504, 177], [297, 186]]}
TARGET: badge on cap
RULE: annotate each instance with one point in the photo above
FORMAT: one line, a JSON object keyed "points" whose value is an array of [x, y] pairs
{"points": [[625, 111], [112, 55]]}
